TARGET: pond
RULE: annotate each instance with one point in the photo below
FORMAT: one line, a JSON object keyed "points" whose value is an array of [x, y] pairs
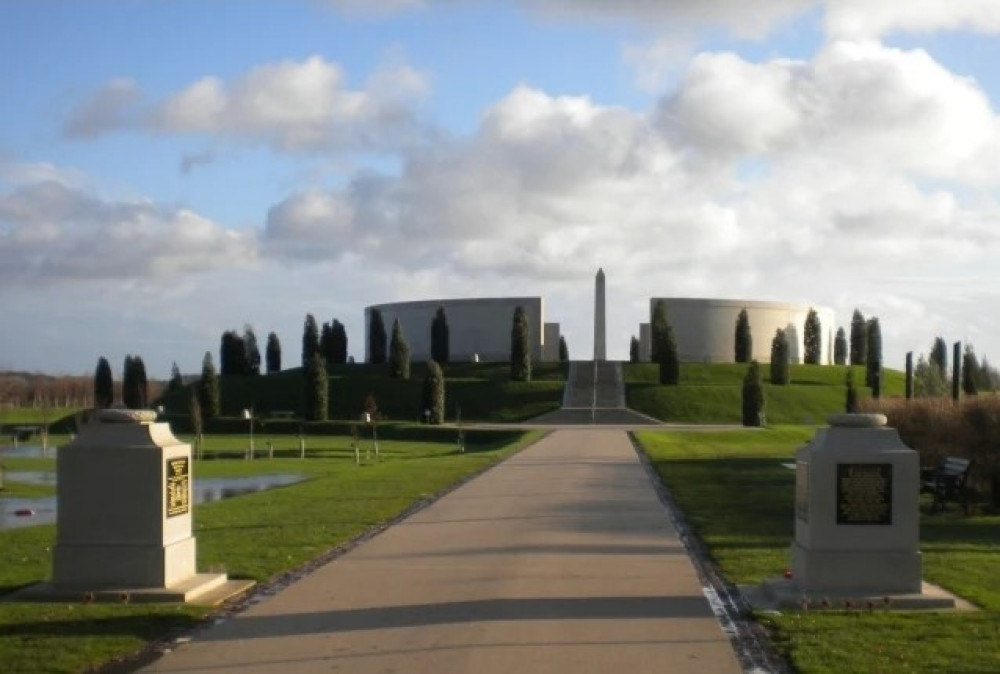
{"points": [[13, 510], [27, 452]]}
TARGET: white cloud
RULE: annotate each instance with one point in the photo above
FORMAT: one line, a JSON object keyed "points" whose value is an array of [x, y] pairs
{"points": [[871, 18], [290, 105], [110, 107], [51, 231]]}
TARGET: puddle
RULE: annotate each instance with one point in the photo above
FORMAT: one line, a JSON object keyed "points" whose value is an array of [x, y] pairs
{"points": [[205, 489], [27, 452]]}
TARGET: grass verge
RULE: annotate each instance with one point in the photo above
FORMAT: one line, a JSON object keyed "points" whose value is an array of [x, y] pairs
{"points": [[738, 499], [257, 536]]}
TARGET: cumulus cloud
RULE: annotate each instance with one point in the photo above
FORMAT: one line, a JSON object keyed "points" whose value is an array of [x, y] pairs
{"points": [[111, 107], [746, 178], [872, 18], [51, 231], [290, 105]]}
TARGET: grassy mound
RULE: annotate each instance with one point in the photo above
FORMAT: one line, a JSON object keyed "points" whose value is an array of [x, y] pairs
{"points": [[483, 392], [711, 392]]}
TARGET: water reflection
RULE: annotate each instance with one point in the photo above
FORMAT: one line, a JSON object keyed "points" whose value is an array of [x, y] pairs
{"points": [[206, 489], [27, 452]]}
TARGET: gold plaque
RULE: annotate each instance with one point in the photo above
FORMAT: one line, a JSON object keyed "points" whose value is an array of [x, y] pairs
{"points": [[178, 487]]}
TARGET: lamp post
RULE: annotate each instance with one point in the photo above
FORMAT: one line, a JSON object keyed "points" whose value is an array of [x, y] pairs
{"points": [[248, 415]]}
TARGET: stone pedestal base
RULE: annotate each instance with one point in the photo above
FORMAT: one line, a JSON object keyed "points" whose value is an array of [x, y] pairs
{"points": [[783, 594], [203, 589], [95, 566], [876, 572]]}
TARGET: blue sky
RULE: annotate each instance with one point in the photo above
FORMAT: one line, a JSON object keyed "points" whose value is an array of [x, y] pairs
{"points": [[170, 170]]}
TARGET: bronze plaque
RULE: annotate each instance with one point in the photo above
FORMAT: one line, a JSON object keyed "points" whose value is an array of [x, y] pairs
{"points": [[178, 487], [864, 493]]}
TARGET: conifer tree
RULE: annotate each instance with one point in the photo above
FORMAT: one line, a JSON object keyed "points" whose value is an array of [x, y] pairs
{"points": [[338, 346], [658, 325], [251, 351], [440, 346], [939, 356], [176, 380], [666, 351], [563, 350], [104, 385], [310, 340], [753, 397], [851, 400], [859, 339], [316, 389], [779, 358], [873, 357], [399, 353], [520, 352], [208, 389], [273, 353], [812, 338], [633, 350], [376, 338], [134, 384], [432, 398], [970, 370], [744, 340], [840, 348]]}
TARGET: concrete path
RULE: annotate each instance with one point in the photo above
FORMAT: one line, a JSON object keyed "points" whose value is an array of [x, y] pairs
{"points": [[561, 559]]}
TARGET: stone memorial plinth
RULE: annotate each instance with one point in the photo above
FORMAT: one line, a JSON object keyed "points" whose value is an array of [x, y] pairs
{"points": [[123, 526], [857, 521]]}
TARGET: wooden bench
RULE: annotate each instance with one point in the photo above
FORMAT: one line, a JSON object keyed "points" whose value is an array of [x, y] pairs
{"points": [[947, 481]]}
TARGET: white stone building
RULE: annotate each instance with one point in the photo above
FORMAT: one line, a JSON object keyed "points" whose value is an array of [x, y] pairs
{"points": [[478, 327], [705, 329]]}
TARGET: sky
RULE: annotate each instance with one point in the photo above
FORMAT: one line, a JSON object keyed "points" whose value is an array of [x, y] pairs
{"points": [[173, 169]]}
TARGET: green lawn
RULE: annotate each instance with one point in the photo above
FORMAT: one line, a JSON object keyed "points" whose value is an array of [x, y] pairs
{"points": [[711, 393], [256, 536], [483, 392], [738, 499]]}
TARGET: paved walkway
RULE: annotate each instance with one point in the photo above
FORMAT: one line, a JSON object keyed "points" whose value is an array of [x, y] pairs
{"points": [[561, 559]]}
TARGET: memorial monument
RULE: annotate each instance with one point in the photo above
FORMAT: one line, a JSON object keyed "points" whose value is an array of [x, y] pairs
{"points": [[600, 325], [857, 522], [123, 526]]}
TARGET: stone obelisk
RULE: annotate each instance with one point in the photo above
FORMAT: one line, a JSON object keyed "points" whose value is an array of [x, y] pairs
{"points": [[600, 328]]}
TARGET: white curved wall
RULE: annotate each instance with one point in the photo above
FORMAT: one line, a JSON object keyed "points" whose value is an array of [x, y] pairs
{"points": [[475, 326], [705, 329]]}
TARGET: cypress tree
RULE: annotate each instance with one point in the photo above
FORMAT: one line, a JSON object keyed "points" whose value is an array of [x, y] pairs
{"points": [[520, 353], [859, 339], [326, 343], [104, 385], [376, 338], [208, 389], [667, 352], [873, 357], [310, 340], [909, 375], [338, 336], [956, 372], [176, 380], [939, 356], [753, 397], [851, 401], [779, 358], [658, 325], [563, 350], [633, 350], [273, 354], [440, 346], [399, 353], [134, 384], [840, 348], [432, 397], [233, 354], [970, 368], [744, 341], [316, 389], [251, 350], [812, 338]]}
